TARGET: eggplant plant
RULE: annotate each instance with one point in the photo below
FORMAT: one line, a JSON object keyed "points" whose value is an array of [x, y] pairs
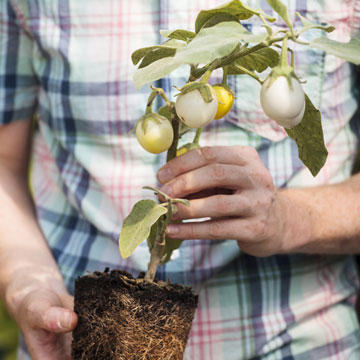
{"points": [[220, 41]]}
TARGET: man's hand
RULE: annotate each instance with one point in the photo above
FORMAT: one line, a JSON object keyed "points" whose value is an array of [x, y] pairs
{"points": [[46, 319], [232, 187]]}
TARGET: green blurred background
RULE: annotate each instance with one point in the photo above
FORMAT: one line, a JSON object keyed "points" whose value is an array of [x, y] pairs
{"points": [[8, 335]]}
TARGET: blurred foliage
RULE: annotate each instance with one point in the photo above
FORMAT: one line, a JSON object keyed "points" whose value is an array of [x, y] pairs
{"points": [[8, 335]]}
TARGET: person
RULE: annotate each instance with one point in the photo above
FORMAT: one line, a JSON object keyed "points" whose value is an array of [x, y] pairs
{"points": [[282, 287]]}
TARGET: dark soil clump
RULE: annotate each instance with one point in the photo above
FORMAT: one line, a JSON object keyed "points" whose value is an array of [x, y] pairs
{"points": [[122, 318]]}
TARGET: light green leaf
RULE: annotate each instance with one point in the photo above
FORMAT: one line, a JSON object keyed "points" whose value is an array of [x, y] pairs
{"points": [[258, 61], [183, 35], [218, 18], [170, 246], [166, 112], [155, 55], [235, 8], [155, 71], [137, 225], [309, 24], [137, 55], [215, 42], [282, 10], [308, 135], [349, 51], [304, 20]]}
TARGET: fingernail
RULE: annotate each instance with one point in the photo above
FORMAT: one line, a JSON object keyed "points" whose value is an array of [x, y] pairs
{"points": [[166, 189], [172, 229], [66, 320], [164, 174]]}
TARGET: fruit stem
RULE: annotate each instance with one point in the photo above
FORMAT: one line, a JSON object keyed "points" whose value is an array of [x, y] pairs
{"points": [[284, 52], [248, 72], [224, 78], [197, 136]]}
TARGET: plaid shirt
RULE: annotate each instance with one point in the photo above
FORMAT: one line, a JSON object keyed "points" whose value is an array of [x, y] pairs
{"points": [[69, 61]]}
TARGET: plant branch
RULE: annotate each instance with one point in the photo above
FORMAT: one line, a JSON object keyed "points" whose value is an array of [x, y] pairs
{"points": [[236, 55], [171, 153]]}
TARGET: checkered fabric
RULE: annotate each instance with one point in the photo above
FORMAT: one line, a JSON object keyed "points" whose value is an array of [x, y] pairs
{"points": [[69, 61]]}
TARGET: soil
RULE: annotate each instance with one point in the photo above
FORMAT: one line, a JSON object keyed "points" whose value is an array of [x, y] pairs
{"points": [[122, 318]]}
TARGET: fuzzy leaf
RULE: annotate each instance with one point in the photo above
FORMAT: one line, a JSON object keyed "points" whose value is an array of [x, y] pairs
{"points": [[219, 18], [170, 45], [257, 61], [137, 225], [155, 55], [216, 42], [309, 24], [235, 8], [155, 71], [349, 51], [183, 35], [166, 112], [309, 138], [170, 246], [282, 10]]}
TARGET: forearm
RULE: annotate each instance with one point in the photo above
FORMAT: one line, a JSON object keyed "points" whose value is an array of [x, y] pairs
{"points": [[26, 261], [323, 219]]}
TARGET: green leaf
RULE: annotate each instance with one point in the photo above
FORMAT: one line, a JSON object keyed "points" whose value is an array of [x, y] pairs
{"points": [[308, 135], [257, 61], [305, 21], [282, 10], [166, 112], [309, 24], [183, 35], [155, 71], [170, 45], [215, 42], [153, 235], [170, 246], [349, 51], [137, 225], [235, 8], [155, 55], [219, 18]]}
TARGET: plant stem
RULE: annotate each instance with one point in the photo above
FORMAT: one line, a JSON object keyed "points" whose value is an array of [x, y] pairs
{"points": [[284, 52], [224, 78], [197, 135], [156, 253], [161, 92], [155, 259], [227, 60], [248, 72], [171, 153]]}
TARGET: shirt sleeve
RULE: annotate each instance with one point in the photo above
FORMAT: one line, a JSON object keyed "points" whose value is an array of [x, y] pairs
{"points": [[18, 83]]}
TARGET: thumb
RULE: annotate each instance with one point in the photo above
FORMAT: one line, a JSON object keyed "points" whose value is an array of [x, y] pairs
{"points": [[58, 319], [47, 311]]}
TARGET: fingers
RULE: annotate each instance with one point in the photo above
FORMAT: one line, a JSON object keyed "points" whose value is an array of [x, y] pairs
{"points": [[46, 310], [217, 206], [231, 155], [237, 229], [208, 177], [58, 319]]}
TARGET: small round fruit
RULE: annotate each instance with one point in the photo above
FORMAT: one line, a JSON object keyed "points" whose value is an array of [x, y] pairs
{"points": [[289, 123], [281, 103], [154, 133], [225, 100], [194, 111]]}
